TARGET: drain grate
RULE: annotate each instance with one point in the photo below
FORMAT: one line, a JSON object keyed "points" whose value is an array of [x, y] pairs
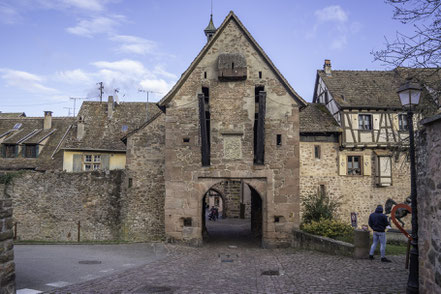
{"points": [[89, 262], [271, 273], [147, 289]]}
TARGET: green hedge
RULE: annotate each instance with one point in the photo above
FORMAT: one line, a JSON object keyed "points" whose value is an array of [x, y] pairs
{"points": [[329, 228]]}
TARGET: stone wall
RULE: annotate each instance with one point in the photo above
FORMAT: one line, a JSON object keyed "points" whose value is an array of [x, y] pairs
{"points": [[232, 108], [429, 206], [7, 266], [358, 194], [144, 188], [48, 206]]}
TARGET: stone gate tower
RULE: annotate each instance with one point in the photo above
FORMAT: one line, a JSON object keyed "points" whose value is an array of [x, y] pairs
{"points": [[231, 116]]}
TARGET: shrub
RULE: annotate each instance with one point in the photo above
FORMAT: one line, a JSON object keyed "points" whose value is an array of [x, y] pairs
{"points": [[318, 206], [329, 228]]}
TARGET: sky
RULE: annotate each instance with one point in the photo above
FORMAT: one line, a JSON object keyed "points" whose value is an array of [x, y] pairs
{"points": [[55, 50]]}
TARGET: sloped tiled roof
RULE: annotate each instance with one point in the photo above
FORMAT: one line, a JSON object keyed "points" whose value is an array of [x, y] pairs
{"points": [[354, 88], [104, 133], [12, 114], [32, 132], [315, 118]]}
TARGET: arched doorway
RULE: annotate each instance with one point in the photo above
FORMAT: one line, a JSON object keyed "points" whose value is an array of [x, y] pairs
{"points": [[240, 222]]}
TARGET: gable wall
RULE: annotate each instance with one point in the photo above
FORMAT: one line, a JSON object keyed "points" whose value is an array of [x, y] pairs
{"points": [[232, 110], [143, 202]]}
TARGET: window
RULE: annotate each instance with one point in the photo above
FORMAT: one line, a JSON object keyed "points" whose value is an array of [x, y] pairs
{"points": [[17, 126], [317, 151], [326, 97], [130, 182], [205, 74], [92, 162], [365, 122], [186, 140], [30, 151], [402, 122], [88, 158], [124, 128], [383, 171], [279, 140], [10, 150], [354, 165], [259, 151], [260, 74]]}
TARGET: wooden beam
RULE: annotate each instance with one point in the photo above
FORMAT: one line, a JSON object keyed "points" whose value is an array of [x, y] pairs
{"points": [[205, 148], [260, 146]]}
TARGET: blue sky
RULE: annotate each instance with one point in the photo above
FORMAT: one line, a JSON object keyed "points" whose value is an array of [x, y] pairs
{"points": [[55, 49]]}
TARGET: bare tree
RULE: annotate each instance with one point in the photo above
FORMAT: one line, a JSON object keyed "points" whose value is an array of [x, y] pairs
{"points": [[422, 49]]}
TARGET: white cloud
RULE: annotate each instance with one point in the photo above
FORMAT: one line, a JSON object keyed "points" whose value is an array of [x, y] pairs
{"points": [[159, 70], [73, 76], [331, 13], [133, 44], [8, 14], [85, 5], [156, 85], [97, 25], [128, 66], [26, 81], [338, 26]]}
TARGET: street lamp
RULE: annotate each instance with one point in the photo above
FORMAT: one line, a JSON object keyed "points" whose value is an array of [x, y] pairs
{"points": [[410, 94]]}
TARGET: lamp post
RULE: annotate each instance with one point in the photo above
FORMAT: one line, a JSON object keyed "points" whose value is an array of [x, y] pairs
{"points": [[410, 96]]}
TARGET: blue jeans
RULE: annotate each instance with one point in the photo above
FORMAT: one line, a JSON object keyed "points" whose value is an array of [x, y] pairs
{"points": [[382, 238]]}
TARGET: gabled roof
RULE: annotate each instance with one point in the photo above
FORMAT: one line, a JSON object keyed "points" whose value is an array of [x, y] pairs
{"points": [[316, 118], [230, 17], [102, 133], [32, 132], [12, 114], [372, 88]]}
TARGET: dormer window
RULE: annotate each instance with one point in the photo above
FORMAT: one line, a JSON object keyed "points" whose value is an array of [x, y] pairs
{"points": [[365, 122], [10, 150], [30, 151]]}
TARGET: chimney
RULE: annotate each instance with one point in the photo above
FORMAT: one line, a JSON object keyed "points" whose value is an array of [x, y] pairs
{"points": [[110, 106], [327, 67], [47, 123], [80, 129]]}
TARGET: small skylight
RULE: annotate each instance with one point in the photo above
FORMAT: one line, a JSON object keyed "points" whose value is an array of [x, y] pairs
{"points": [[17, 126], [124, 128]]}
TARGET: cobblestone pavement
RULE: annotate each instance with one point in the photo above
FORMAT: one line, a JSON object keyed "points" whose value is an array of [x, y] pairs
{"points": [[221, 268]]}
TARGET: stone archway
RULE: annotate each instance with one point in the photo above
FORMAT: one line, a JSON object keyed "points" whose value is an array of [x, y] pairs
{"points": [[234, 229]]}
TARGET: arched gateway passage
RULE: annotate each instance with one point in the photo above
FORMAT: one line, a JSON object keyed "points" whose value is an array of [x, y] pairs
{"points": [[239, 217]]}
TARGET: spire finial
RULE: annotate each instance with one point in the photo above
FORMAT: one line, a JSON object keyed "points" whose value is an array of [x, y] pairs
{"points": [[210, 29]]}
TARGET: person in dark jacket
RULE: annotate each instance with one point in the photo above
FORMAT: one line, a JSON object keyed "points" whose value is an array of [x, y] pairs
{"points": [[378, 223]]}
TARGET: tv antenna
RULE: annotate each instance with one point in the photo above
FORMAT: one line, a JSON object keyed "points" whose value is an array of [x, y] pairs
{"points": [[147, 105], [75, 102], [101, 88]]}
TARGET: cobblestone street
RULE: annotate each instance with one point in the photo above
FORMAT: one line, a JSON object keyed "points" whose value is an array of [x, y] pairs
{"points": [[240, 268]]}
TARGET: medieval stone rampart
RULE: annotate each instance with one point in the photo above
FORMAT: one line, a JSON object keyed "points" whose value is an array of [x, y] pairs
{"points": [[53, 206], [429, 207]]}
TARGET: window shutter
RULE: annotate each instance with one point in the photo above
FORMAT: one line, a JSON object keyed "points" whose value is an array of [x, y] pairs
{"points": [[354, 121], [260, 146], [205, 151], [395, 122], [77, 163], [367, 167], [105, 162], [342, 164]]}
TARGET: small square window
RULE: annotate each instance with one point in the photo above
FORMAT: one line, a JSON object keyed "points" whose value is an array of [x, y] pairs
{"points": [[87, 166], [186, 140], [365, 122], [187, 222], [97, 158], [96, 166], [88, 158]]}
